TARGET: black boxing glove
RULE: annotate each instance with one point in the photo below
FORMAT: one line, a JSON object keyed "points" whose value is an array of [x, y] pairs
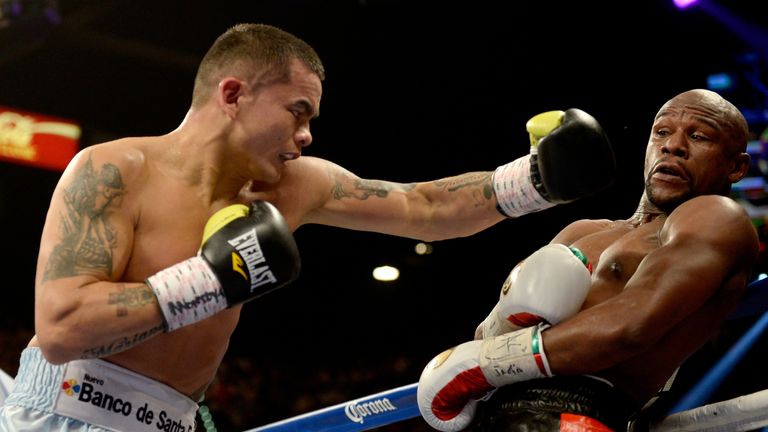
{"points": [[575, 159], [570, 158], [245, 253]]}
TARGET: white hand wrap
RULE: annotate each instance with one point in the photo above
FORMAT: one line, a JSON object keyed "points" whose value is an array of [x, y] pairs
{"points": [[187, 292], [515, 193], [514, 357], [453, 382]]}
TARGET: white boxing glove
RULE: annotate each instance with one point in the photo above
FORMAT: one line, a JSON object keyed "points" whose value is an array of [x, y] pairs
{"points": [[453, 382], [548, 286]]}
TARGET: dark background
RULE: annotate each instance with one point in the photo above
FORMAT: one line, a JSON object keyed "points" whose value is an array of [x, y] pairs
{"points": [[415, 90]]}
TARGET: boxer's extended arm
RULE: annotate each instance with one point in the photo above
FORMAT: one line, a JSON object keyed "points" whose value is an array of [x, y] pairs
{"points": [[708, 245], [85, 246], [570, 158], [451, 207]]}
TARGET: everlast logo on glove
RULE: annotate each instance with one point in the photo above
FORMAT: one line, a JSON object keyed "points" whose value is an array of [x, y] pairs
{"points": [[252, 253], [248, 249], [231, 266]]}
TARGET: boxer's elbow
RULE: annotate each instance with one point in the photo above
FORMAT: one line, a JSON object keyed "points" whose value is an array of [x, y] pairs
{"points": [[58, 334], [55, 344]]}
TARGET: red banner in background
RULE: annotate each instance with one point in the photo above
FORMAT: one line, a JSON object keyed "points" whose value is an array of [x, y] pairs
{"points": [[35, 139]]}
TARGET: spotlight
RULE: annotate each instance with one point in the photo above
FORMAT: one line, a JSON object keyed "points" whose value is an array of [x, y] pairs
{"points": [[684, 4], [720, 81], [386, 273]]}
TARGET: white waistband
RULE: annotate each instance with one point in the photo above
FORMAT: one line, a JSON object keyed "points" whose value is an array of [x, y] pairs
{"points": [[107, 395]]}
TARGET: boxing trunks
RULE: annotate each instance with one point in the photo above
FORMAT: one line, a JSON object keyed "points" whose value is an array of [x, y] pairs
{"points": [[91, 395], [557, 404], [6, 385]]}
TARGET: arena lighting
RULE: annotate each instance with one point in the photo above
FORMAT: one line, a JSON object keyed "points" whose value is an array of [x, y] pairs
{"points": [[386, 273], [14, 11], [422, 248], [39, 140], [684, 4], [720, 81], [753, 35]]}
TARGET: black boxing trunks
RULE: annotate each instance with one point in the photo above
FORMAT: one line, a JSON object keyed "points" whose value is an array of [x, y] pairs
{"points": [[557, 404]]}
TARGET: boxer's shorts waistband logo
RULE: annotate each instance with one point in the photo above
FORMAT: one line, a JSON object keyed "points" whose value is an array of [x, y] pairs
{"points": [[70, 387], [86, 392], [103, 395]]}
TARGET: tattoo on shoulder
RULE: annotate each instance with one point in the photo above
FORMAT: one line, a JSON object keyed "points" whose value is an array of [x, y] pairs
{"points": [[363, 189], [88, 239], [479, 182], [121, 344], [131, 297]]}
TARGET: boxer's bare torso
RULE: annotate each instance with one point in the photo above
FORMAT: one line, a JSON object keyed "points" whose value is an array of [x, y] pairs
{"points": [[159, 220], [616, 250]]}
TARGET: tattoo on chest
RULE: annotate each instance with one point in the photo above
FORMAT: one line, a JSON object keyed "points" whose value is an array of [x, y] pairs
{"points": [[88, 239]]}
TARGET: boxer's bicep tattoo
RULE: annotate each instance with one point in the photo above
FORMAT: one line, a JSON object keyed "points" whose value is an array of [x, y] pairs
{"points": [[88, 238], [121, 344]]}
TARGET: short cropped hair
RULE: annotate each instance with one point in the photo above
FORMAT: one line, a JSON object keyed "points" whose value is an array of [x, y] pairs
{"points": [[259, 47]]}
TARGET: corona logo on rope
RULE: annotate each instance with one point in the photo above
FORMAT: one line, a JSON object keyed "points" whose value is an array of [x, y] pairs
{"points": [[358, 411], [38, 140], [70, 387]]}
